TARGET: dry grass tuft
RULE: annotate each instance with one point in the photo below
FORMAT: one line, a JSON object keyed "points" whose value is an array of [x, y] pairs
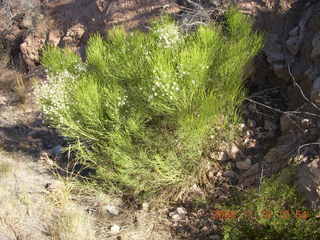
{"points": [[20, 88], [69, 221], [5, 168], [38, 207]]}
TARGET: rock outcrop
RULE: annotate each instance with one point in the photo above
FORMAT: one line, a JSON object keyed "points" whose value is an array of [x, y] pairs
{"points": [[66, 23]]}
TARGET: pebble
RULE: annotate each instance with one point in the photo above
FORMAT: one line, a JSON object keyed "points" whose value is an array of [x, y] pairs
{"points": [[252, 143], [302, 158], [115, 229], [210, 175], [306, 123], [222, 156], [242, 126], [181, 211], [172, 213], [3, 100], [112, 210], [204, 229], [249, 133], [176, 217], [145, 206], [234, 152]]}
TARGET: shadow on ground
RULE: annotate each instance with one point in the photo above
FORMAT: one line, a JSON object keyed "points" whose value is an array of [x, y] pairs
{"points": [[30, 139]]}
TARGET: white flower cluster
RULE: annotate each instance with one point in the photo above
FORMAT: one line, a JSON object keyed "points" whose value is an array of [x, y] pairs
{"points": [[166, 90], [122, 101], [52, 93], [169, 35], [81, 67]]}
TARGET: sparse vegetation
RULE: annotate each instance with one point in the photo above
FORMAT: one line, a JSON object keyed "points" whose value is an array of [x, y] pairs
{"points": [[69, 221], [20, 88], [275, 212], [141, 108], [5, 168], [25, 212]]}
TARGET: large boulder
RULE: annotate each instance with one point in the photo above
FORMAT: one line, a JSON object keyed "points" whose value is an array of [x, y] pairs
{"points": [[67, 24], [31, 46]]}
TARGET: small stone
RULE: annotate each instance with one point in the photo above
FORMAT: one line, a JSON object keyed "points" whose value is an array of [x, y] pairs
{"points": [[235, 152], [115, 229], [249, 133], [214, 227], [172, 213], [246, 141], [112, 210], [54, 186], [145, 206], [302, 158], [242, 126], [252, 144], [222, 156], [204, 229], [219, 174], [176, 217], [306, 123], [244, 165], [181, 211], [211, 175], [3, 100]]}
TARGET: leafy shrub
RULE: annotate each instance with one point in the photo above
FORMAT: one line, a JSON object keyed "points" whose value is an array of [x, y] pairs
{"points": [[275, 212], [141, 107]]}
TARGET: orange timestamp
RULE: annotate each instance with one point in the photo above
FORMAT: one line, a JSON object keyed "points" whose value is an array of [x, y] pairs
{"points": [[223, 215]]}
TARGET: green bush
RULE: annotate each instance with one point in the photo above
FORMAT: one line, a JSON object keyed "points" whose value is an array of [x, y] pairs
{"points": [[275, 212], [141, 107]]}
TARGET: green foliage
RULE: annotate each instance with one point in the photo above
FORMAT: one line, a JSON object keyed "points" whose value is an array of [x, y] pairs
{"points": [[275, 212], [142, 106]]}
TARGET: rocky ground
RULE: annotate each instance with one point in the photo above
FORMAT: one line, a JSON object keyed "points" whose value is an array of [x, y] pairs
{"points": [[281, 125]]}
